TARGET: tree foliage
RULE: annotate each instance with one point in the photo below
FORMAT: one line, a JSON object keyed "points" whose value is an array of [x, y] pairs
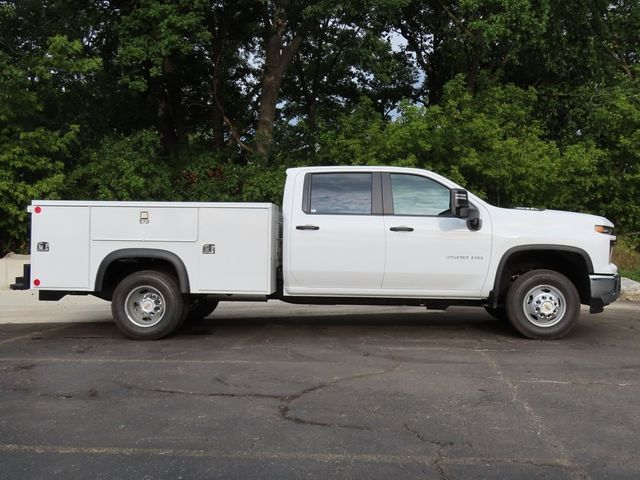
{"points": [[524, 102]]}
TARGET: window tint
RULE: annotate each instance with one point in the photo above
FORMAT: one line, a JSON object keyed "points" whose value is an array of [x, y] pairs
{"points": [[415, 195], [347, 193]]}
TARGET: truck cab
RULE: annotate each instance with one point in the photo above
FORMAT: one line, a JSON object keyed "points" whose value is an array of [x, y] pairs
{"points": [[381, 232]]}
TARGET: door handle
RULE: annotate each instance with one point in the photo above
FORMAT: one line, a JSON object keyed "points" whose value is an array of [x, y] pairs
{"points": [[401, 229], [307, 227]]}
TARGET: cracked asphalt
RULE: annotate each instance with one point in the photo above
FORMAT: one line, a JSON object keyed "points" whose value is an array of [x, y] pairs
{"points": [[275, 391]]}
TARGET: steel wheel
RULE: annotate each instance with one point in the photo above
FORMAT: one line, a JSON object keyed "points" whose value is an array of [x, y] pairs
{"points": [[544, 305], [145, 306]]}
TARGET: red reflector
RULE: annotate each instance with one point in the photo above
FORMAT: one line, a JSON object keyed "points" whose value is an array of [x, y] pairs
{"points": [[37, 209], [36, 282]]}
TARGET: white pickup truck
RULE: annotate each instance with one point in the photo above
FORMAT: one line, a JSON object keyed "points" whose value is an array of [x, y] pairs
{"points": [[345, 235]]}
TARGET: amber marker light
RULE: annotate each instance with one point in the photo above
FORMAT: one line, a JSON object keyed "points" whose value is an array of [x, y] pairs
{"points": [[604, 229]]}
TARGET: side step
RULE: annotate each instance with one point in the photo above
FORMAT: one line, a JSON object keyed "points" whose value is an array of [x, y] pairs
{"points": [[23, 282]]}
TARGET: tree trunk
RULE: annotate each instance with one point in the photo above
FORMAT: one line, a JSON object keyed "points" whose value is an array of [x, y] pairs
{"points": [[168, 109], [267, 114], [217, 113], [277, 59], [167, 133], [174, 94]]}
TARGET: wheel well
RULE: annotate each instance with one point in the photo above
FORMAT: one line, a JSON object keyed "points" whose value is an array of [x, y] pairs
{"points": [[571, 264], [117, 270]]}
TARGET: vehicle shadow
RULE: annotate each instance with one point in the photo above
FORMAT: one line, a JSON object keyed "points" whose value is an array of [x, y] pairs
{"points": [[382, 323]]}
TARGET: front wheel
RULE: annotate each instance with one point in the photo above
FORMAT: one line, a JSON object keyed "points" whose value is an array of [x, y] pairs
{"points": [[147, 305], [543, 304]]}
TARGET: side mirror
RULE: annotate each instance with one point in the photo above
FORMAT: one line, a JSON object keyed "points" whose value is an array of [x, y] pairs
{"points": [[473, 220], [459, 203], [460, 208]]}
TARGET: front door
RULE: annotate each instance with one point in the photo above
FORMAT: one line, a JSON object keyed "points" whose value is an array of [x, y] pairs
{"points": [[428, 251]]}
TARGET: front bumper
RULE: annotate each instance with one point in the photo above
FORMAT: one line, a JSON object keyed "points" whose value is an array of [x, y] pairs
{"points": [[605, 289]]}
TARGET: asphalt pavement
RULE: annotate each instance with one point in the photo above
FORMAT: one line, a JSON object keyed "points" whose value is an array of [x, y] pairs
{"points": [[276, 391]]}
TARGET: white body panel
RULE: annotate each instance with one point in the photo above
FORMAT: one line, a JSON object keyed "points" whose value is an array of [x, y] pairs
{"points": [[347, 252], [82, 234]]}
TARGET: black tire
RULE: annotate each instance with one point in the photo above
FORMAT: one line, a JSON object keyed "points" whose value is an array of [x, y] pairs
{"points": [[499, 313], [200, 307], [147, 305], [543, 304]]}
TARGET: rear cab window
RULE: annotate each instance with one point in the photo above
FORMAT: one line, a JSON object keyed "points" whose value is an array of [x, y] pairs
{"points": [[339, 193]]}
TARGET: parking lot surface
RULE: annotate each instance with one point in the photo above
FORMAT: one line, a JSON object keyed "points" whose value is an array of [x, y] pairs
{"points": [[274, 391]]}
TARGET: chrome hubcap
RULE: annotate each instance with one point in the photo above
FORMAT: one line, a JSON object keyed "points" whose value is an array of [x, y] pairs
{"points": [[544, 305], [145, 306]]}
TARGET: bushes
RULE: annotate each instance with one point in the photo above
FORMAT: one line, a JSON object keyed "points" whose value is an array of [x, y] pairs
{"points": [[134, 168], [209, 176], [626, 256], [124, 168]]}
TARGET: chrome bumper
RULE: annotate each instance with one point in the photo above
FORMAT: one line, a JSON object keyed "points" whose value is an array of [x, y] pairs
{"points": [[605, 289]]}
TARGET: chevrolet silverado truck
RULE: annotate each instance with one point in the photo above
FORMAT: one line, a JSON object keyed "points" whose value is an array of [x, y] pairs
{"points": [[344, 235]]}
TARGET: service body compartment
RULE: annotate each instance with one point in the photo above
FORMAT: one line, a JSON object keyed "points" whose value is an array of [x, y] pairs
{"points": [[241, 243], [226, 248], [60, 246], [162, 224]]}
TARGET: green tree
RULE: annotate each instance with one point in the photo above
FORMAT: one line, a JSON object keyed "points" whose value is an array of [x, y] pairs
{"points": [[32, 153]]}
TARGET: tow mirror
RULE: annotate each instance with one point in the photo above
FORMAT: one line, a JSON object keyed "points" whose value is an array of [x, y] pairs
{"points": [[459, 203]]}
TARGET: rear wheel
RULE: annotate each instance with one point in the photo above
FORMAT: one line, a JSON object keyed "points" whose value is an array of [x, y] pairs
{"points": [[543, 304], [200, 307], [147, 305]]}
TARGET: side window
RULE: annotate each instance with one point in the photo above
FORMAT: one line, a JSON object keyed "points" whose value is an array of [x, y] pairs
{"points": [[340, 193], [416, 195]]}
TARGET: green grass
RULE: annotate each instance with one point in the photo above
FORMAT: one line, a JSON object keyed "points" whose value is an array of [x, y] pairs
{"points": [[627, 259], [633, 274]]}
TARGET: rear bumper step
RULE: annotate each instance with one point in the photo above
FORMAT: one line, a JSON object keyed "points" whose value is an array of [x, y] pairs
{"points": [[23, 282]]}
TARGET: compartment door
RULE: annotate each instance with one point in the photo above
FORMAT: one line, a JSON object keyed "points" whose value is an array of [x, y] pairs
{"points": [[65, 231], [242, 258]]}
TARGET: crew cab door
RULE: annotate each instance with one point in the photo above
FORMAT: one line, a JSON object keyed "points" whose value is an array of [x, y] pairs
{"points": [[337, 237], [428, 251]]}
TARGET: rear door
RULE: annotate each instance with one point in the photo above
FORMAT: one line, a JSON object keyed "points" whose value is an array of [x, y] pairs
{"points": [[337, 234]]}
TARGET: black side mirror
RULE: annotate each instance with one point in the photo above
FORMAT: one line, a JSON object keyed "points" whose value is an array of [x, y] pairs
{"points": [[461, 208], [473, 219], [459, 203]]}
